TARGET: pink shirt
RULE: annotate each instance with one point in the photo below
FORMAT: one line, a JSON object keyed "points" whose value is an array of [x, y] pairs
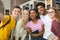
{"points": [[35, 27]]}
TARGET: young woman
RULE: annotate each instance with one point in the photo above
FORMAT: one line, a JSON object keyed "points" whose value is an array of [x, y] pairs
{"points": [[35, 26], [20, 31], [53, 13]]}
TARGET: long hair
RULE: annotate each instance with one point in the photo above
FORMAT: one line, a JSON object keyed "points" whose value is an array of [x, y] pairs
{"points": [[57, 15]]}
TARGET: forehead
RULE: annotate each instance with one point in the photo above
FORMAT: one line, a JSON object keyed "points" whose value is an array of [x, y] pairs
{"points": [[25, 12], [40, 6], [50, 10], [32, 11], [16, 9]]}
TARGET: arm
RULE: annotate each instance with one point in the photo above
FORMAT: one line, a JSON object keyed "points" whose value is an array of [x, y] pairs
{"points": [[28, 30], [42, 32], [2, 17]]}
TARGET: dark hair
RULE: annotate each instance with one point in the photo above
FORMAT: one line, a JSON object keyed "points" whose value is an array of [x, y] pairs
{"points": [[17, 7], [39, 4], [38, 17]]}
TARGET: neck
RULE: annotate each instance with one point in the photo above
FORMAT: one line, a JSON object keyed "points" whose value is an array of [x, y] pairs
{"points": [[44, 14], [34, 20]]}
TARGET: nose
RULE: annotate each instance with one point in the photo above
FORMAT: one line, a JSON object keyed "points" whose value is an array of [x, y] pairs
{"points": [[16, 13], [40, 9]]}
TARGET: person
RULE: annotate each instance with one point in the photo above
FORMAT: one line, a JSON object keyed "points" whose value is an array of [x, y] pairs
{"points": [[20, 32], [40, 7], [8, 23], [54, 14], [35, 26]]}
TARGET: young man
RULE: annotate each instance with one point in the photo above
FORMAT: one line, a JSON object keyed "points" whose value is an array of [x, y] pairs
{"points": [[45, 18], [8, 23]]}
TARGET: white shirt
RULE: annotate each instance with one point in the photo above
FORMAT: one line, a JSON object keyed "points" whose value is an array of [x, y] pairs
{"points": [[47, 22]]}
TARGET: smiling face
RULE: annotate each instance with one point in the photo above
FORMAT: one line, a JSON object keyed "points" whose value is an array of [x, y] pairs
{"points": [[16, 12], [33, 14], [51, 13], [41, 10], [25, 14]]}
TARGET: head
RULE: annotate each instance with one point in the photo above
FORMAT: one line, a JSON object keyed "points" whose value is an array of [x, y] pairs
{"points": [[25, 14], [16, 12], [40, 8], [33, 14], [53, 13], [48, 6]]}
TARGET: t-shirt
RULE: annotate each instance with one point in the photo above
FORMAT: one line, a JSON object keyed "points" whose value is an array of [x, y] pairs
{"points": [[56, 28], [47, 22], [35, 27], [5, 32]]}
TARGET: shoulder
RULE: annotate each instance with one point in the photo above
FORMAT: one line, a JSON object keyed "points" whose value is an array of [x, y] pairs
{"points": [[53, 21], [40, 20], [19, 21]]}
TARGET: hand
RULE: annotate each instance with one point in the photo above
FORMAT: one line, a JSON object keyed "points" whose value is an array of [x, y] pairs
{"points": [[56, 38], [24, 21]]}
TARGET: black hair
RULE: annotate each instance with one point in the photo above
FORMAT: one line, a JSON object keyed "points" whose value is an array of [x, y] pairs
{"points": [[17, 7], [38, 17], [39, 4]]}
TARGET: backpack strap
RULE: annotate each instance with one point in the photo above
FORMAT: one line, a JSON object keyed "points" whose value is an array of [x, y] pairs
{"points": [[6, 22]]}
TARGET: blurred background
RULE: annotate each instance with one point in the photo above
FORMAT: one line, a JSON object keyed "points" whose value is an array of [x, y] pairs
{"points": [[6, 6]]}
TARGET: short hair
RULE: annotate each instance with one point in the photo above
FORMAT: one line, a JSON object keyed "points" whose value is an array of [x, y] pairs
{"points": [[17, 7], [40, 4]]}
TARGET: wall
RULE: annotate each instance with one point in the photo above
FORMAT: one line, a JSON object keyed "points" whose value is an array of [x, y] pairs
{"points": [[6, 4]]}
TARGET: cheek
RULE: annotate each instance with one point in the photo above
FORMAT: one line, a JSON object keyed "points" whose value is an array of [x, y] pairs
{"points": [[38, 10], [26, 16], [18, 13], [51, 15], [14, 13]]}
